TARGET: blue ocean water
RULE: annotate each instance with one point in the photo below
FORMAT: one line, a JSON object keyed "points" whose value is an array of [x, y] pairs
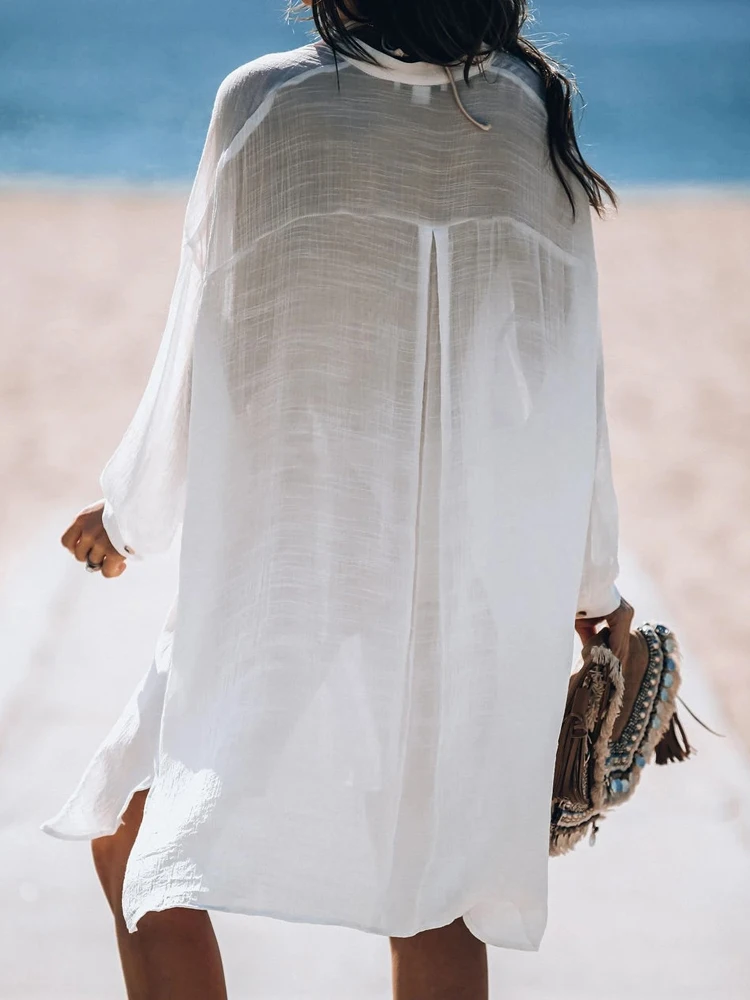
{"points": [[123, 90]]}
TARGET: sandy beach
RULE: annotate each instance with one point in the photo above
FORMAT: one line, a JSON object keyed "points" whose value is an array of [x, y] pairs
{"points": [[86, 279]]}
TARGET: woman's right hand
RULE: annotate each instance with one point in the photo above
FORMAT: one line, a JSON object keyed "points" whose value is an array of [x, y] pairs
{"points": [[620, 622]]}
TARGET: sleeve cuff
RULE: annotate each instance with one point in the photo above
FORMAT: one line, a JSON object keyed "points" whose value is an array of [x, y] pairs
{"points": [[601, 608], [110, 525]]}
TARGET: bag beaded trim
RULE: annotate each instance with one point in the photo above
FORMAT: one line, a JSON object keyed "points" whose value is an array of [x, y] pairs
{"points": [[618, 717]]}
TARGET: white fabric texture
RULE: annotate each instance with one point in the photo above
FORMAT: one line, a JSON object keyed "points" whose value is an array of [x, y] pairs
{"points": [[377, 415]]}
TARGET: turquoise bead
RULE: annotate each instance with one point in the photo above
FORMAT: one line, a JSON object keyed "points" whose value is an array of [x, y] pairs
{"points": [[655, 722], [669, 663], [668, 681], [640, 760], [664, 694]]}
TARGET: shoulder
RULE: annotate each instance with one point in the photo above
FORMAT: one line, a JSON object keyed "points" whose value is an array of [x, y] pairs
{"points": [[523, 74], [243, 91]]}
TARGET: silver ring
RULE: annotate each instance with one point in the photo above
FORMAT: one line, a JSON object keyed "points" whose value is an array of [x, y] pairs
{"points": [[92, 567]]}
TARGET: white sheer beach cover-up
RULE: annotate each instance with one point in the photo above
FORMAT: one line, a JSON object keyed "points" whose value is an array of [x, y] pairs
{"points": [[377, 415]]}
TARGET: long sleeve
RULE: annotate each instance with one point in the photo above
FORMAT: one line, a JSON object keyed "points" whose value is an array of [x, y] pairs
{"points": [[143, 482], [598, 594]]}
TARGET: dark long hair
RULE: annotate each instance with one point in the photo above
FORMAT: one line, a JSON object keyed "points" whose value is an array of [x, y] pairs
{"points": [[447, 32]]}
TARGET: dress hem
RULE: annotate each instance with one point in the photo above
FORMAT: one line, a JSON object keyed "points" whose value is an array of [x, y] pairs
{"points": [[58, 834], [57, 831], [132, 921], [55, 828]]}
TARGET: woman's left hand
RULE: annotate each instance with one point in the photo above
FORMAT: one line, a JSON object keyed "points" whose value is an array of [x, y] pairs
{"points": [[87, 540]]}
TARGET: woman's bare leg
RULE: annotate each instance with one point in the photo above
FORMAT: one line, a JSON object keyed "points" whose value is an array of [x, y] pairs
{"points": [[447, 963], [173, 953]]}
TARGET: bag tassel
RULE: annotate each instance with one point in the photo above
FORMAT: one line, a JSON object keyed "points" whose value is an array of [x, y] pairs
{"points": [[571, 768], [670, 748], [585, 716], [674, 745]]}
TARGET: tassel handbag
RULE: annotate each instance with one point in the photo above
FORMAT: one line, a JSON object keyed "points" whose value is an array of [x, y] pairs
{"points": [[618, 717]]}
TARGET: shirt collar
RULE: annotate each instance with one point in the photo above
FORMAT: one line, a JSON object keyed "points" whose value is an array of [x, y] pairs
{"points": [[391, 68]]}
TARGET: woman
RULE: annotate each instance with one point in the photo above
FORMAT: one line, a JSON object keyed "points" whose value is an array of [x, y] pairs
{"points": [[377, 413]]}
